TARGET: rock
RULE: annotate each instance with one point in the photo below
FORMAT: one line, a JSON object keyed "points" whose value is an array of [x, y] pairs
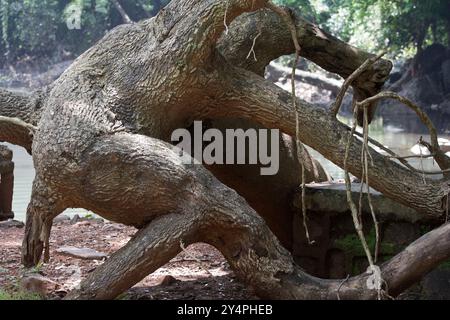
{"points": [[61, 218], [436, 285], [401, 234], [166, 280], [336, 264], [11, 224], [38, 284], [75, 219], [82, 253]]}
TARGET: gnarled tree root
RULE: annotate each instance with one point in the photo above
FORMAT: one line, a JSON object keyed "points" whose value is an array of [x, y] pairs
{"points": [[215, 214]]}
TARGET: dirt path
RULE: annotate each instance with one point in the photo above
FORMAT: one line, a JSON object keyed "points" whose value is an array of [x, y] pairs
{"points": [[199, 273]]}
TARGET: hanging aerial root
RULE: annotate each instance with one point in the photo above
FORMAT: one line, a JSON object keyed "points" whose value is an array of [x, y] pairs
{"points": [[365, 154], [300, 148]]}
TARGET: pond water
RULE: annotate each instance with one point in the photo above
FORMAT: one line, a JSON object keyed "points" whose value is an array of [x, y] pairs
{"points": [[23, 181], [393, 137]]}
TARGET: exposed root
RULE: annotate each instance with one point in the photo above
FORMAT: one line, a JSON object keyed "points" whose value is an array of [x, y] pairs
{"points": [[225, 18], [19, 122], [351, 204], [365, 162], [340, 286], [252, 49]]}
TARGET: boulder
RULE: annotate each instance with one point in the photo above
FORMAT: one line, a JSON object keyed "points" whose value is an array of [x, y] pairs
{"points": [[61, 218], [11, 224], [38, 284]]}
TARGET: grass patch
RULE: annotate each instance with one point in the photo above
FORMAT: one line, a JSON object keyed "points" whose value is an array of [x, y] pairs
{"points": [[19, 295]]}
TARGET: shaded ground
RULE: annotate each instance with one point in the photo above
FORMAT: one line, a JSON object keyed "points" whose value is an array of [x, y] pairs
{"points": [[199, 272]]}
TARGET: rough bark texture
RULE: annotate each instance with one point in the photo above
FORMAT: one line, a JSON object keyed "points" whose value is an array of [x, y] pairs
{"points": [[98, 146], [18, 116], [219, 216], [316, 45], [275, 71]]}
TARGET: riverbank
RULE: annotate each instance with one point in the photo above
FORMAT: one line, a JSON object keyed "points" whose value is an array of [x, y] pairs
{"points": [[200, 272]]}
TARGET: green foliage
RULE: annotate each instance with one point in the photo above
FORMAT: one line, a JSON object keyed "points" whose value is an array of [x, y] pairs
{"points": [[39, 29], [402, 26], [352, 245]]}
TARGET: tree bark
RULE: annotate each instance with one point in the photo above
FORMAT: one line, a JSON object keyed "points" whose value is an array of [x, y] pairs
{"points": [[219, 216], [19, 115], [275, 72], [98, 146]]}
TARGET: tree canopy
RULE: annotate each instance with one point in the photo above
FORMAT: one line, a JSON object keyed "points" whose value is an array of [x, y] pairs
{"points": [[38, 28]]}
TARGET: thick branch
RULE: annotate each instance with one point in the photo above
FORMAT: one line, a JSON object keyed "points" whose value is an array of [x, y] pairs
{"points": [[251, 97], [215, 214], [18, 117], [21, 106], [205, 22], [276, 71], [317, 46]]}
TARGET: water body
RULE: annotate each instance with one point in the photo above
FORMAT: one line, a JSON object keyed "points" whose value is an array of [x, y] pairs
{"points": [[23, 182], [396, 138], [392, 137]]}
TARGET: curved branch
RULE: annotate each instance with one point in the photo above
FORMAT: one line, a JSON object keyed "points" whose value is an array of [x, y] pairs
{"points": [[348, 82], [276, 71], [251, 97], [19, 115], [215, 214], [16, 131], [317, 46], [205, 22]]}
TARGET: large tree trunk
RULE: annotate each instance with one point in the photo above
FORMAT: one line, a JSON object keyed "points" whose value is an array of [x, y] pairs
{"points": [[213, 213], [99, 145]]}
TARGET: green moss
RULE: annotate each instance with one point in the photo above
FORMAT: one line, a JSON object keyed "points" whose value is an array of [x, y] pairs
{"points": [[352, 245], [89, 216]]}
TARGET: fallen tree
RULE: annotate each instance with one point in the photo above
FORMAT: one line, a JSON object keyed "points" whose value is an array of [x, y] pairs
{"points": [[101, 144], [276, 71]]}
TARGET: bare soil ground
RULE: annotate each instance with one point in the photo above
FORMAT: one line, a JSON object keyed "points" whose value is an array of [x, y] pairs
{"points": [[199, 272]]}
